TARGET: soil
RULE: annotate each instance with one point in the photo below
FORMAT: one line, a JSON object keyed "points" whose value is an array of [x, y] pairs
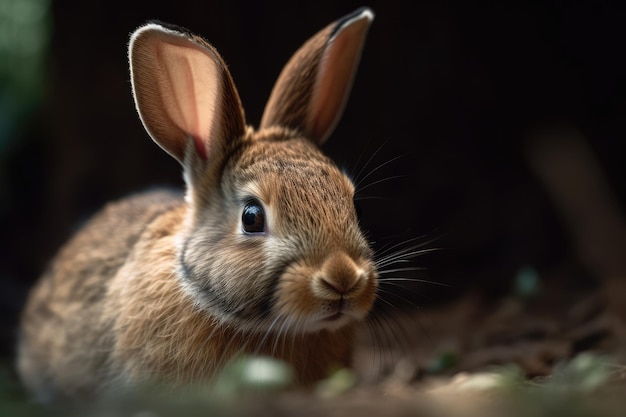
{"points": [[474, 356], [452, 360]]}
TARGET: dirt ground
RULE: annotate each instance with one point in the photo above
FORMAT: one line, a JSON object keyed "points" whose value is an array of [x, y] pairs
{"points": [[559, 352], [447, 360], [555, 351]]}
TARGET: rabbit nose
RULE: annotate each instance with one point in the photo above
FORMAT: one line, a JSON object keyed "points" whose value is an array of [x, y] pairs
{"points": [[339, 276]]}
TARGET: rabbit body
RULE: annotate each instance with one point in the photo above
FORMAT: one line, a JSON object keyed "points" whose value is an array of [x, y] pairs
{"points": [[262, 255]]}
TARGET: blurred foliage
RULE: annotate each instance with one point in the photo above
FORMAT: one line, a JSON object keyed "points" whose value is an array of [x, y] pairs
{"points": [[583, 386], [25, 30], [527, 283], [252, 373], [445, 360], [13, 400], [577, 387], [340, 381]]}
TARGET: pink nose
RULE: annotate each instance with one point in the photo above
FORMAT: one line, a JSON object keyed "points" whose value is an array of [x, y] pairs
{"points": [[339, 276]]}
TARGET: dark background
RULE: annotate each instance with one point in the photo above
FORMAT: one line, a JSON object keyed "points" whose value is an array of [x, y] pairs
{"points": [[453, 89]]}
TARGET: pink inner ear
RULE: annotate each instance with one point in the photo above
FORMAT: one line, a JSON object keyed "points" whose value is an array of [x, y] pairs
{"points": [[189, 86], [334, 79], [329, 101]]}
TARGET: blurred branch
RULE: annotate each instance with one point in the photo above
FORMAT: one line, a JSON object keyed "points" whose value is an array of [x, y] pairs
{"points": [[563, 161]]}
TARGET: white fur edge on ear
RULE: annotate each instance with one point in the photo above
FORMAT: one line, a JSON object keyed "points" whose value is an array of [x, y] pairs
{"points": [[152, 26], [361, 13]]}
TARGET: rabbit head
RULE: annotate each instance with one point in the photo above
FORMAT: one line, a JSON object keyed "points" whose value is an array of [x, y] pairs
{"points": [[271, 240]]}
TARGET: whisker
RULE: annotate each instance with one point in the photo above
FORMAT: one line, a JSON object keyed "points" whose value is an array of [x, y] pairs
{"points": [[371, 184], [382, 344], [299, 332], [281, 335], [408, 249], [386, 249], [271, 336], [378, 345], [418, 280], [261, 345], [358, 184], [403, 342], [394, 334], [403, 256], [358, 175], [407, 269], [405, 250], [401, 297]]}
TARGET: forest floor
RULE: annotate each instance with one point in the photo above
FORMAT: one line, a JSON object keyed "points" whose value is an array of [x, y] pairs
{"points": [[557, 353]]}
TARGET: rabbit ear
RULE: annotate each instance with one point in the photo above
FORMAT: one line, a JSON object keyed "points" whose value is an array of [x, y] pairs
{"points": [[312, 90], [183, 92]]}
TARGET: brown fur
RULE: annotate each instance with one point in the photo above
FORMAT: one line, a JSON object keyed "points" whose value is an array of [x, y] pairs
{"points": [[161, 334], [315, 109], [157, 288]]}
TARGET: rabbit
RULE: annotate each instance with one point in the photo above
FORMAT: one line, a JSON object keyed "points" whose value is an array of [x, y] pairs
{"points": [[262, 253]]}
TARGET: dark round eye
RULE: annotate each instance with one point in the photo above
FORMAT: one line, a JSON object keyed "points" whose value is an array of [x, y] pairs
{"points": [[253, 218]]}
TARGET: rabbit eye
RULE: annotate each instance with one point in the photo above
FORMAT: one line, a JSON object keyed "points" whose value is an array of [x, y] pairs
{"points": [[253, 218]]}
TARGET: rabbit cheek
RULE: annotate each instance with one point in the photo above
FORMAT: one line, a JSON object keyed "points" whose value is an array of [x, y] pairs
{"points": [[295, 300], [219, 279]]}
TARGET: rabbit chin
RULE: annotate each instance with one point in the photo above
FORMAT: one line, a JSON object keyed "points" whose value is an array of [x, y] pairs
{"points": [[294, 324], [297, 325], [331, 322], [321, 320]]}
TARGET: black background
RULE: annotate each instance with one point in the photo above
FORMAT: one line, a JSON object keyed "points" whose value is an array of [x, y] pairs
{"points": [[453, 89]]}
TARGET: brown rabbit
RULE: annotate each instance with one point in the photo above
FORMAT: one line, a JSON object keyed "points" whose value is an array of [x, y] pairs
{"points": [[263, 255]]}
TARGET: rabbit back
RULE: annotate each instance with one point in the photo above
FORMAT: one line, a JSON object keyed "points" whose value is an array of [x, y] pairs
{"points": [[65, 341]]}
